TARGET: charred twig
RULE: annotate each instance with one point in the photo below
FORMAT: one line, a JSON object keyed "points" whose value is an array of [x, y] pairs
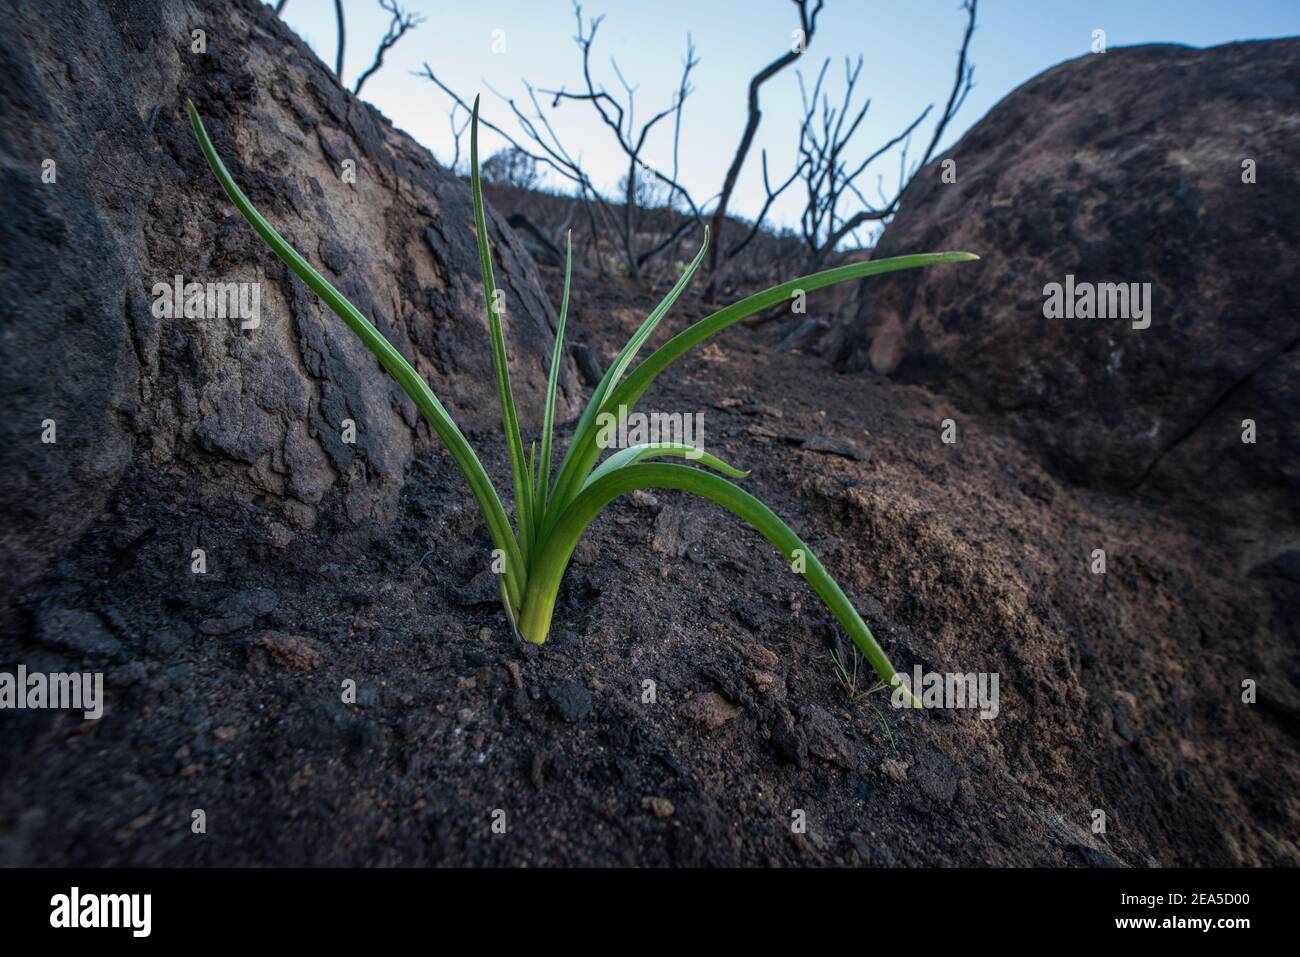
{"points": [[807, 26], [825, 138], [398, 25]]}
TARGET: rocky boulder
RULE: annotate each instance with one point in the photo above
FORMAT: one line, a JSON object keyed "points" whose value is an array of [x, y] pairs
{"points": [[1166, 169], [106, 199]]}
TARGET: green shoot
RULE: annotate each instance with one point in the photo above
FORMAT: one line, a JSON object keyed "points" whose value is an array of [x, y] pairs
{"points": [[847, 673], [551, 515]]}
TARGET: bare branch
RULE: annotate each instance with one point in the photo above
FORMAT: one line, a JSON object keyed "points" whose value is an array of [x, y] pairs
{"points": [[400, 23], [825, 138], [772, 195], [456, 134], [807, 26], [620, 118]]}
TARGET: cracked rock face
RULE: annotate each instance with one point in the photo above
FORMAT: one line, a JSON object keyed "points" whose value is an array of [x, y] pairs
{"points": [[293, 414], [1071, 175]]}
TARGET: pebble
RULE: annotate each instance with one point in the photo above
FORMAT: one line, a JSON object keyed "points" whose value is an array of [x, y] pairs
{"points": [[658, 806], [570, 700], [709, 710], [76, 632], [895, 770], [292, 651]]}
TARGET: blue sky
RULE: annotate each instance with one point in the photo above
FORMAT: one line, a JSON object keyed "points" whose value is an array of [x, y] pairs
{"points": [[910, 50]]}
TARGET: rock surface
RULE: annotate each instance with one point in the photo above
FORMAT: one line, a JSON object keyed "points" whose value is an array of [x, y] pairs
{"points": [[1125, 167], [238, 415]]}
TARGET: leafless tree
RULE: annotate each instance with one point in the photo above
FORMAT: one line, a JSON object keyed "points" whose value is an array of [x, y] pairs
{"points": [[401, 21], [512, 167], [619, 116], [830, 177], [807, 26], [547, 149]]}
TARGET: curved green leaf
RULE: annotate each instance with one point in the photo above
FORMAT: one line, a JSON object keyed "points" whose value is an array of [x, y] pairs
{"points": [[639, 453], [583, 451], [553, 560], [439, 420], [568, 479]]}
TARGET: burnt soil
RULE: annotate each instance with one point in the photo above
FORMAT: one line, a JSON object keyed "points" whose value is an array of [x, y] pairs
{"points": [[1119, 692]]}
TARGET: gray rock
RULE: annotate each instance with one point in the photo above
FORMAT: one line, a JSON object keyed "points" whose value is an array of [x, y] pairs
{"points": [[825, 738], [225, 626], [935, 774], [570, 700], [252, 601], [76, 633], [238, 413], [1054, 181]]}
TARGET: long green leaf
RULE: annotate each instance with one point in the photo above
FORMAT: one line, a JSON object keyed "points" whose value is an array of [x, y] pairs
{"points": [[553, 381], [639, 453], [583, 451], [439, 420], [568, 479], [500, 362], [557, 550]]}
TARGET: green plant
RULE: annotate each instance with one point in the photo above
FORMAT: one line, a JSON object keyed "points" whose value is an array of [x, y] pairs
{"points": [[847, 674], [551, 516]]}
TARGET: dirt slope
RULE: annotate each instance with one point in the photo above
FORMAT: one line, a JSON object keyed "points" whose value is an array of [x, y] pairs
{"points": [[1118, 692]]}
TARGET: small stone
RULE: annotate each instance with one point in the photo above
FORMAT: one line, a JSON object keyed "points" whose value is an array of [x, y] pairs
{"points": [[570, 700], [76, 632], [516, 675], [251, 601], [292, 651], [787, 739], [281, 536], [761, 657], [762, 680], [709, 710], [658, 806], [643, 499], [585, 553], [588, 367], [163, 643], [825, 739], [895, 770], [225, 626]]}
